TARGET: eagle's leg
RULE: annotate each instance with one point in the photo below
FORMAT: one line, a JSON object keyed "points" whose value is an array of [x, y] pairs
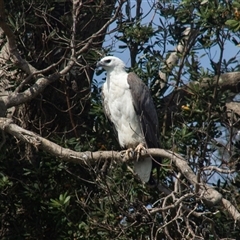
{"points": [[139, 149]]}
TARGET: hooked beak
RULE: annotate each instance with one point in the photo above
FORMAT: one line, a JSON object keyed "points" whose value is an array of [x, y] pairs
{"points": [[99, 64]]}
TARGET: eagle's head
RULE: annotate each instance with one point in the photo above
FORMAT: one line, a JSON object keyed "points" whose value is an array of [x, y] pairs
{"points": [[111, 63]]}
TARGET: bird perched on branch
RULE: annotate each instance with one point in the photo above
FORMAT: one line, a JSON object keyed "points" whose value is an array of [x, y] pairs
{"points": [[129, 106]]}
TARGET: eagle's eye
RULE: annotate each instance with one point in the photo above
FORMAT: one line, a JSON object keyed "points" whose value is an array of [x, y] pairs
{"points": [[107, 61]]}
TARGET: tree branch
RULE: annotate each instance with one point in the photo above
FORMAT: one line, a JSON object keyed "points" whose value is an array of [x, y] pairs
{"points": [[234, 106], [217, 169], [89, 41], [172, 60], [14, 99], [227, 81], [12, 46], [206, 192], [231, 210]]}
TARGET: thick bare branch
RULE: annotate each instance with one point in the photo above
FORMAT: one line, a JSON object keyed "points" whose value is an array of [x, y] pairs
{"points": [[231, 210], [227, 81], [207, 193], [44, 144], [14, 99]]}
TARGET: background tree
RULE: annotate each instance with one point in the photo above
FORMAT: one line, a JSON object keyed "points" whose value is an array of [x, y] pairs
{"points": [[57, 179]]}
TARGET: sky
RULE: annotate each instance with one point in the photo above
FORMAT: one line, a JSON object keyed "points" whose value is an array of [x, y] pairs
{"points": [[231, 49]]}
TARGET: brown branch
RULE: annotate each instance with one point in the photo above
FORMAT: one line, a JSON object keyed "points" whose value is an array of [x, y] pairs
{"points": [[173, 205], [227, 81], [177, 216], [172, 60], [42, 143], [101, 31], [39, 73], [12, 46], [217, 169], [231, 210], [173, 101], [15, 99], [207, 193]]}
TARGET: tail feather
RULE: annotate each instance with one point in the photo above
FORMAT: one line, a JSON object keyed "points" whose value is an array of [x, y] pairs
{"points": [[143, 168]]}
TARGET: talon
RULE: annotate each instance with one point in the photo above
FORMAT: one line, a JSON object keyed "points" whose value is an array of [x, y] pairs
{"points": [[130, 153]]}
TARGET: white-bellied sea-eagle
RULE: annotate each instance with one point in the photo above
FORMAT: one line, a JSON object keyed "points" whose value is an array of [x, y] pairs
{"points": [[129, 106]]}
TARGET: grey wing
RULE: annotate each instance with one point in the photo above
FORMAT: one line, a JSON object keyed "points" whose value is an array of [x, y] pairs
{"points": [[145, 109]]}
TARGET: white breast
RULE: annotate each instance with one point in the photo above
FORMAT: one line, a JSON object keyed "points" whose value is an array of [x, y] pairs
{"points": [[118, 101]]}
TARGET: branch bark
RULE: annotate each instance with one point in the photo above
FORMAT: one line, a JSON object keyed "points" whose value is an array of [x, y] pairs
{"points": [[15, 99], [205, 192]]}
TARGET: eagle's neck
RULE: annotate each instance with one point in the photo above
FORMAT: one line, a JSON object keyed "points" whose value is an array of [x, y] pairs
{"points": [[117, 76]]}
